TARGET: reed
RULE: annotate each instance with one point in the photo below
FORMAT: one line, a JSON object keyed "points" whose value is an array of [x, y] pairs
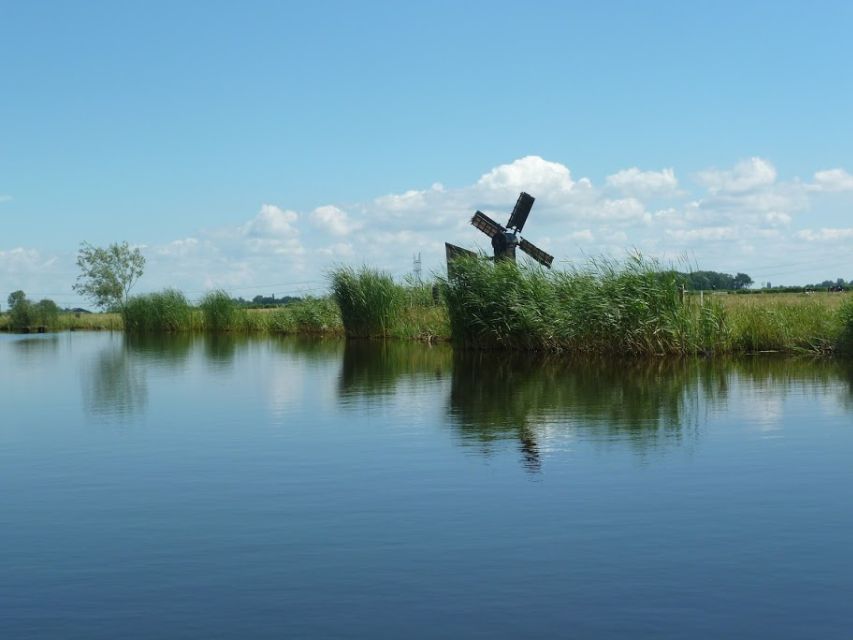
{"points": [[631, 307], [369, 301], [219, 312], [166, 311]]}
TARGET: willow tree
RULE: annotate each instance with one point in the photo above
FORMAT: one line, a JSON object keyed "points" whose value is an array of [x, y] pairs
{"points": [[108, 274]]}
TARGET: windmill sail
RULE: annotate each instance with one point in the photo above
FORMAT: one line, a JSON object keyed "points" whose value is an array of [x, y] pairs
{"points": [[485, 224], [520, 212], [536, 253]]}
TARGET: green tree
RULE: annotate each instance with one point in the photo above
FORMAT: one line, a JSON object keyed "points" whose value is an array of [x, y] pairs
{"points": [[15, 297], [741, 281], [20, 311], [107, 274], [45, 313]]}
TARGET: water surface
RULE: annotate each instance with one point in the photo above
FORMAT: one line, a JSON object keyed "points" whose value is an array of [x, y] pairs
{"points": [[216, 487]]}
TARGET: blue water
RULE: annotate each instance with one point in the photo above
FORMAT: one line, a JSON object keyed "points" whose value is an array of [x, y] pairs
{"points": [[232, 488]]}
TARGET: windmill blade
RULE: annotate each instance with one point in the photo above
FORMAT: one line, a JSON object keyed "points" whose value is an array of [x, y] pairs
{"points": [[453, 252], [536, 253], [485, 224], [520, 212]]}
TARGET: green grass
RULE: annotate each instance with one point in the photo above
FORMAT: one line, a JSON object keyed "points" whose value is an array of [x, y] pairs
{"points": [[166, 311], [369, 301], [219, 312], [606, 307]]}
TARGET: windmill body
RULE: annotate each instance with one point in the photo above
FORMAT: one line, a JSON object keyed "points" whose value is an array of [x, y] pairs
{"points": [[505, 239]]}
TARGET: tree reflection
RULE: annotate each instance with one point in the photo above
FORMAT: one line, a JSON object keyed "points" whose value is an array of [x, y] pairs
{"points": [[114, 385]]}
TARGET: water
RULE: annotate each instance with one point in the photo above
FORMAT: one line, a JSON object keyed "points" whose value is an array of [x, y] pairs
{"points": [[231, 488]]}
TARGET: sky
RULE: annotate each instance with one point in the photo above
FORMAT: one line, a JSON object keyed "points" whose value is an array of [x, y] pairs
{"points": [[253, 146]]}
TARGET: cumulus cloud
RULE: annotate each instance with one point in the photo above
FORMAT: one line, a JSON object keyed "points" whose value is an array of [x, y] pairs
{"points": [[633, 181], [744, 176], [736, 213], [833, 180], [825, 235], [539, 177], [333, 220], [704, 234], [271, 221]]}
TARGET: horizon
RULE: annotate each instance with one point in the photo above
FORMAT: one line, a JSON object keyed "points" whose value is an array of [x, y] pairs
{"points": [[252, 149]]}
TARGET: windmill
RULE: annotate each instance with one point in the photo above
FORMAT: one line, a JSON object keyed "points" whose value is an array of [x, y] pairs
{"points": [[506, 239]]}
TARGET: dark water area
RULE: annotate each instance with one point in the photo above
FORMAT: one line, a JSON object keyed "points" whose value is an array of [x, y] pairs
{"points": [[222, 487]]}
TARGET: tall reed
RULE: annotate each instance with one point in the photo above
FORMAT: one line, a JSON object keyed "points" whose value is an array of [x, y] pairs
{"points": [[165, 312], [219, 311], [369, 301], [605, 307]]}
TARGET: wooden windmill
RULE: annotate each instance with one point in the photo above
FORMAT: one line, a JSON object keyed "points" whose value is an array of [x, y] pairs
{"points": [[506, 239]]}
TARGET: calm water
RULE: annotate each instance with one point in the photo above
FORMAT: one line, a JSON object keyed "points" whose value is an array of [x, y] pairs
{"points": [[225, 488]]}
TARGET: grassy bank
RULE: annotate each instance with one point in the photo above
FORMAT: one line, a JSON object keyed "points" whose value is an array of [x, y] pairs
{"points": [[629, 308]]}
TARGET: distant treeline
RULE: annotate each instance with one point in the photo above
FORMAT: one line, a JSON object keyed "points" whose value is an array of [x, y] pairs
{"points": [[714, 281], [741, 283], [266, 302]]}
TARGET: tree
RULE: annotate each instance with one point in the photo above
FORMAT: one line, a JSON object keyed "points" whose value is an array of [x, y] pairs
{"points": [[15, 297], [107, 275], [20, 311], [741, 281]]}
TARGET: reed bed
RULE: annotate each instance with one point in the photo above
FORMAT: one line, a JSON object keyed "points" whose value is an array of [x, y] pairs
{"points": [[606, 307], [369, 301], [166, 311], [631, 308]]}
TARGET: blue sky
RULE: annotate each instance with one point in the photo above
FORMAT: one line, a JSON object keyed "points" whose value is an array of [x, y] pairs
{"points": [[252, 145]]}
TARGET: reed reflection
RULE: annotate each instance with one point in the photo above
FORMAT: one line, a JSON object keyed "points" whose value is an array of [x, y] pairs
{"points": [[375, 369], [495, 397]]}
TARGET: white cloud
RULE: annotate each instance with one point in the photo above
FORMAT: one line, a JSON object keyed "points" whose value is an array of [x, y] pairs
{"points": [[584, 235], [633, 181], [825, 234], [271, 221], [5, 198], [833, 180], [704, 234], [333, 220], [539, 177], [744, 176]]}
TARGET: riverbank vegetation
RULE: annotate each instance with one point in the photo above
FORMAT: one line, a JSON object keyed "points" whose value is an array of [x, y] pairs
{"points": [[607, 307]]}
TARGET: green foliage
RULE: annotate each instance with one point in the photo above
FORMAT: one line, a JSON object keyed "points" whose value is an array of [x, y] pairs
{"points": [[165, 311], [783, 326], [220, 312], [45, 313], [107, 274], [845, 316], [16, 297], [20, 312], [25, 315], [606, 307], [369, 301]]}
